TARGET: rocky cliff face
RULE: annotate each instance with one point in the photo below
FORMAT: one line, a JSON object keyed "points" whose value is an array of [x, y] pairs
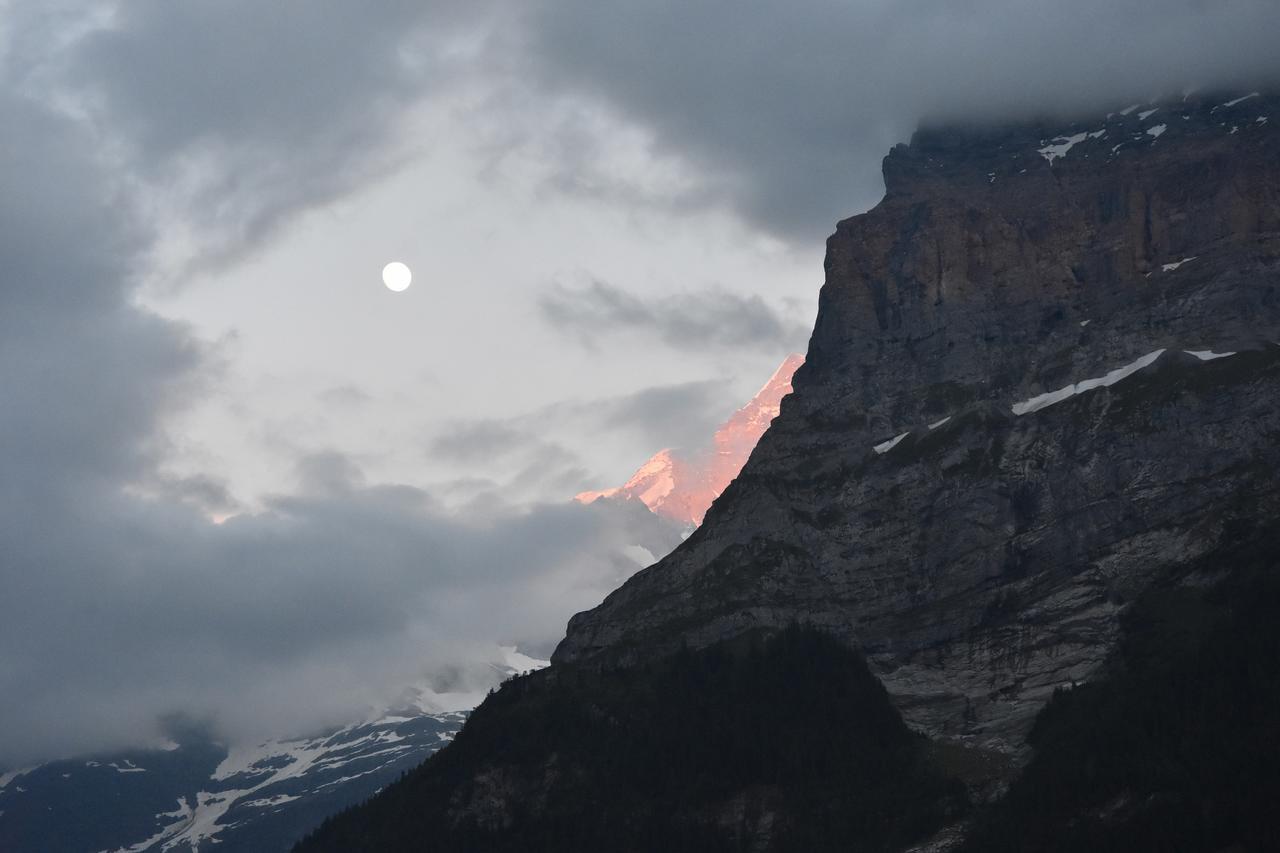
{"points": [[1010, 416]]}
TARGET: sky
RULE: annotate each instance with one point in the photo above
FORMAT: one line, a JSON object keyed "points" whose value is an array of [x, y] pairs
{"points": [[242, 482]]}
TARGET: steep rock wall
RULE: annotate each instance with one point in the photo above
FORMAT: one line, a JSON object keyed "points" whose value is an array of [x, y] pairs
{"points": [[984, 559]]}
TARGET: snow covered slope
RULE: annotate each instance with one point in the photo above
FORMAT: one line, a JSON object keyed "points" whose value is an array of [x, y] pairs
{"points": [[255, 798]]}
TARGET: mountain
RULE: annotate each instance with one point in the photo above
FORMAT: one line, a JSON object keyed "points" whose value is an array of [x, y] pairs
{"points": [[1025, 481], [262, 797], [1010, 416], [246, 798], [680, 486]]}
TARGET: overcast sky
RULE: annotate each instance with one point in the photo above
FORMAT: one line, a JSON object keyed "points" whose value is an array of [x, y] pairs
{"points": [[615, 215]]}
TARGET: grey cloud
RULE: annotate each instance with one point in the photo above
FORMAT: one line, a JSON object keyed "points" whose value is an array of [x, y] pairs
{"points": [[208, 494], [479, 440], [788, 108], [681, 415], [259, 110], [707, 319], [560, 473], [85, 375], [120, 612], [280, 622], [780, 112], [684, 414], [536, 466], [328, 472], [344, 396]]}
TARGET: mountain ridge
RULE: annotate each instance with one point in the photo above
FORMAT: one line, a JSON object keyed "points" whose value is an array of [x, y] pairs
{"points": [[680, 486]]}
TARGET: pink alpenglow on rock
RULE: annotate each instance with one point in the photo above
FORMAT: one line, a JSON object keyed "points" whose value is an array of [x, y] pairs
{"points": [[681, 486]]}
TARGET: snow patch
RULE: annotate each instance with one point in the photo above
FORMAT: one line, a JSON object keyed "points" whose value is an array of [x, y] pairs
{"points": [[1155, 130], [203, 823], [1146, 114], [268, 802], [6, 778], [937, 424], [182, 817], [1173, 266], [1230, 104], [1060, 146], [243, 759], [129, 767], [886, 446], [288, 760], [1207, 354], [1043, 401]]}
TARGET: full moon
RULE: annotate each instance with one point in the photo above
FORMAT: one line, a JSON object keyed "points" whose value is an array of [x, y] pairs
{"points": [[396, 276]]}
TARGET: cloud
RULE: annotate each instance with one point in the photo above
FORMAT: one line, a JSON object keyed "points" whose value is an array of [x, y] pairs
{"points": [[787, 109], [344, 397], [681, 415], [474, 440], [699, 320], [124, 607], [210, 495], [240, 114], [684, 414], [328, 472], [126, 612], [535, 466], [85, 375]]}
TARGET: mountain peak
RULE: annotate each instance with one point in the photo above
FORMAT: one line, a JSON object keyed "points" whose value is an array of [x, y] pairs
{"points": [[682, 487]]}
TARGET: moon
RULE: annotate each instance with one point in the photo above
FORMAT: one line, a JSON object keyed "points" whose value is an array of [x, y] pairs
{"points": [[396, 276]]}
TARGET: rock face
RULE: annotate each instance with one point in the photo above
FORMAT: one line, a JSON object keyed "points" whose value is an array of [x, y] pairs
{"points": [[983, 558], [681, 486]]}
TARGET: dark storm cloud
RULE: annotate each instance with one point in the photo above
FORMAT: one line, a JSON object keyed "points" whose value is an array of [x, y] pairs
{"points": [[261, 109], [790, 106], [783, 111], [85, 375], [124, 612], [699, 320]]}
